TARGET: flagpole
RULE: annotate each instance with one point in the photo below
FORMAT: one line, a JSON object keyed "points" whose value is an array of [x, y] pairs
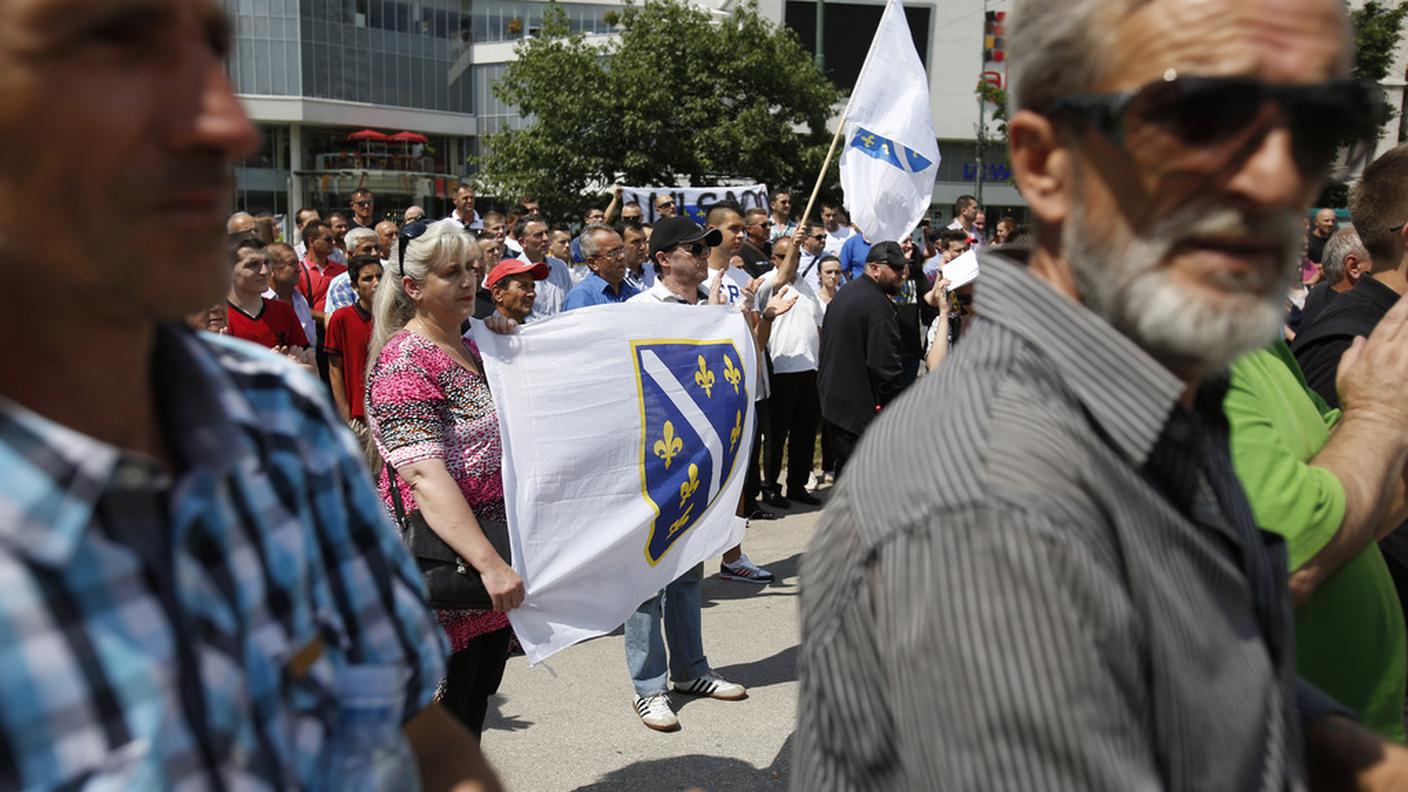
{"points": [[825, 166]]}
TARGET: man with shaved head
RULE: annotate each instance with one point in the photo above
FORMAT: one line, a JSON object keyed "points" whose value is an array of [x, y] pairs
{"points": [[1083, 599], [198, 572], [240, 223], [1320, 233]]}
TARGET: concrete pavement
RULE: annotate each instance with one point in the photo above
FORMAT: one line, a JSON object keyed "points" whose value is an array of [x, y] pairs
{"points": [[570, 723]]}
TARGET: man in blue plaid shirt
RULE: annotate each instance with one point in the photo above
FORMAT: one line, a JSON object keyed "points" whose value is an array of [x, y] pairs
{"points": [[190, 547]]}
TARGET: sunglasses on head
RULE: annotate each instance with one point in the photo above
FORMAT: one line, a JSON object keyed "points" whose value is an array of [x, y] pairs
{"points": [[1198, 124], [412, 230]]}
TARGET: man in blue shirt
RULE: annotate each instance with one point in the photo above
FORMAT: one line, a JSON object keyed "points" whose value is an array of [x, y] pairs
{"points": [[605, 255], [852, 256]]}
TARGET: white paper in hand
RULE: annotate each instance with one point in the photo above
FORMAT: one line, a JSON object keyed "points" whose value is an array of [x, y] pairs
{"points": [[962, 270]]}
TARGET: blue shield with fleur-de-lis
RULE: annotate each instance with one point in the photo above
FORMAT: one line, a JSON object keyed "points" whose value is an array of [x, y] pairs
{"points": [[694, 403]]}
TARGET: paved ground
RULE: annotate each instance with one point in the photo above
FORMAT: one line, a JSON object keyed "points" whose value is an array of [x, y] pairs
{"points": [[572, 726]]}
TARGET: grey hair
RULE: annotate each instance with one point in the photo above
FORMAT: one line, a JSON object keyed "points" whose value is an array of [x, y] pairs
{"points": [[589, 240], [1342, 243], [443, 241], [1055, 48], [354, 237]]}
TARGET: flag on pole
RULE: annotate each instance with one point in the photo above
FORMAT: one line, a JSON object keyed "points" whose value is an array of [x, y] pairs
{"points": [[626, 432], [892, 156]]}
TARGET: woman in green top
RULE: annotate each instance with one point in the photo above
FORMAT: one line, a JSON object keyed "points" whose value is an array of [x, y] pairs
{"points": [[1350, 639]]}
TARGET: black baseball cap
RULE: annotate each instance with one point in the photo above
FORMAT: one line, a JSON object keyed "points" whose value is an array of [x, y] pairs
{"points": [[888, 253], [679, 230]]}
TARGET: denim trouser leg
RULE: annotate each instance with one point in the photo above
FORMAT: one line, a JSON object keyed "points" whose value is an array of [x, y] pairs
{"points": [[645, 645]]}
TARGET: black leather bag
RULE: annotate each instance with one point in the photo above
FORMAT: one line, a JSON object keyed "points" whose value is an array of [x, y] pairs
{"points": [[451, 582]]}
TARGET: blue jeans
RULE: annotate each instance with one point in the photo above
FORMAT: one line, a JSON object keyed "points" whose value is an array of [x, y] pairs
{"points": [[645, 647]]}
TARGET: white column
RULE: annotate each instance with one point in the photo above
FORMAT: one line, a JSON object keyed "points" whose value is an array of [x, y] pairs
{"points": [[296, 199]]}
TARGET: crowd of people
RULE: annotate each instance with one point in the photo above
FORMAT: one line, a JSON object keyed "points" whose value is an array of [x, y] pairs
{"points": [[1120, 513]]}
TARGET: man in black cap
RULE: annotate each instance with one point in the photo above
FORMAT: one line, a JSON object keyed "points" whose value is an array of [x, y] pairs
{"points": [[679, 249], [860, 368]]}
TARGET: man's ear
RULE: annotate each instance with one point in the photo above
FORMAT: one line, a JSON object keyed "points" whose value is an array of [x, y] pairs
{"points": [[1041, 164]]}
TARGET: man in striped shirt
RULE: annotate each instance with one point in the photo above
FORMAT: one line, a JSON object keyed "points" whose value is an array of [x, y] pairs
{"points": [[1080, 598]]}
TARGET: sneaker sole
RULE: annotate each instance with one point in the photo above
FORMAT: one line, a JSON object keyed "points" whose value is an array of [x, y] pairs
{"points": [[670, 728]]}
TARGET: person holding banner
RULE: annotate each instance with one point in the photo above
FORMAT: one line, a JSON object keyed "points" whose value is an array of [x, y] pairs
{"points": [[433, 420]]}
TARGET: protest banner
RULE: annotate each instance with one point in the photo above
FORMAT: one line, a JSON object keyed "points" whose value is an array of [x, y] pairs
{"points": [[626, 431], [694, 201]]}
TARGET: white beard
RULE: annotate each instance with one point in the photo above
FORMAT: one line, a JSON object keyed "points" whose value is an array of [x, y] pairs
{"points": [[1127, 284]]}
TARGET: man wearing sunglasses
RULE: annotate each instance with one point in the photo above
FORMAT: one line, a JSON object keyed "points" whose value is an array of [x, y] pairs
{"points": [[1084, 600], [363, 206], [664, 207]]}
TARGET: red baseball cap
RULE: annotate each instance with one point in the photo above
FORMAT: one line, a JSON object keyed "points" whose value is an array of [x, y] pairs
{"points": [[509, 267]]}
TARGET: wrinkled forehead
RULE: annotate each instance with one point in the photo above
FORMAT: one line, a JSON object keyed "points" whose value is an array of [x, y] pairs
{"points": [[1285, 41]]}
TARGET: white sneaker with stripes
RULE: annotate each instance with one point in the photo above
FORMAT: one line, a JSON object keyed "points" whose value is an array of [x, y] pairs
{"points": [[655, 712], [713, 686]]}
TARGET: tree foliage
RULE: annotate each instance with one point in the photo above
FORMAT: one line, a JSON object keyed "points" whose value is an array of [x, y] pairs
{"points": [[679, 94], [1377, 29]]}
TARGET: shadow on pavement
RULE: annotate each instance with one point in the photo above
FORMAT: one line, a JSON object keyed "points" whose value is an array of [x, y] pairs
{"points": [[699, 773], [496, 720], [775, 670]]}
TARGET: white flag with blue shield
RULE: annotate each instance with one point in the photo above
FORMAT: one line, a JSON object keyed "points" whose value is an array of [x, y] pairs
{"points": [[626, 433], [891, 156]]}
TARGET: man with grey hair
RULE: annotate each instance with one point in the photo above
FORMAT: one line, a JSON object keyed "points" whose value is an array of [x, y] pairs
{"points": [[240, 223], [1085, 601], [605, 255], [1345, 260], [361, 241]]}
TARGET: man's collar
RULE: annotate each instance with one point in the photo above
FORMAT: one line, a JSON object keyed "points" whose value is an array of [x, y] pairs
{"points": [[1128, 393], [54, 477], [1376, 291]]}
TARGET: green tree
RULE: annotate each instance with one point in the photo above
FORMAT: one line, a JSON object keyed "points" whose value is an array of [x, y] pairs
{"points": [[679, 94], [1377, 30]]}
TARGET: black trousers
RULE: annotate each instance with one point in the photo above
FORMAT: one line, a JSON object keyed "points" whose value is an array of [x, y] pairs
{"points": [[828, 453], [843, 444], [472, 675], [794, 409], [753, 481]]}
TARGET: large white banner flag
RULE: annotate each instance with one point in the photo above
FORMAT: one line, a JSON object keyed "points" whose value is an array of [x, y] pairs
{"points": [[694, 201], [891, 158], [626, 432]]}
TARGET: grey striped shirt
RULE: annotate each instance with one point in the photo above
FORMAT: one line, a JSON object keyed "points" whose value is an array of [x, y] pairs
{"points": [[1040, 573]]}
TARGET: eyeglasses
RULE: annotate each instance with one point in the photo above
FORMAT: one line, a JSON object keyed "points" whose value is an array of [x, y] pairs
{"points": [[410, 231], [361, 203], [1198, 124], [619, 252], [695, 249]]}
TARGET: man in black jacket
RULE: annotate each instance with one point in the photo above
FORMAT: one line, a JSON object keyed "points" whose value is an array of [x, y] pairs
{"points": [[860, 350]]}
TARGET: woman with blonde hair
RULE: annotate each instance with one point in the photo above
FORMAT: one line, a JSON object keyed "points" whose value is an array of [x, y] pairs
{"points": [[433, 421]]}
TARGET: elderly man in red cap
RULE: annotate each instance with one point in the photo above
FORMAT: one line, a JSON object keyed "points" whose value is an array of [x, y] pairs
{"points": [[513, 286]]}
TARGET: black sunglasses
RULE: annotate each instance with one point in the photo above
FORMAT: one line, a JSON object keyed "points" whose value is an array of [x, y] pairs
{"points": [[361, 203], [1200, 123], [695, 249], [410, 231]]}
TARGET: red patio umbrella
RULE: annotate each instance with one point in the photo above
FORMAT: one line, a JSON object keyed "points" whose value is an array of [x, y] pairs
{"points": [[368, 136], [409, 137]]}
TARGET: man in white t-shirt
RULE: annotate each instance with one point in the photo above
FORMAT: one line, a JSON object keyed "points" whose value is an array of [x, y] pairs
{"points": [[727, 218], [813, 247], [532, 233], [837, 232], [794, 408]]}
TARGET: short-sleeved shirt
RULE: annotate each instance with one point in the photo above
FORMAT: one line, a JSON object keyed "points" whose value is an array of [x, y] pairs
{"points": [[422, 404], [165, 626], [1350, 639], [275, 325], [301, 309], [835, 239], [314, 281], [795, 340], [349, 333], [852, 257]]}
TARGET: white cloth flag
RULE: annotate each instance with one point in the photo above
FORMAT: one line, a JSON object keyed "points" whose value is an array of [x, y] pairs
{"points": [[626, 432], [891, 156]]}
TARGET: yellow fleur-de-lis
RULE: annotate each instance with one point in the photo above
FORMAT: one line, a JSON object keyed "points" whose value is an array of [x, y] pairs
{"points": [[732, 374], [690, 487], [704, 378], [678, 525], [669, 446], [737, 430]]}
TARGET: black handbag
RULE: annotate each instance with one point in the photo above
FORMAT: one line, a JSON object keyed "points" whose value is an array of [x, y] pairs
{"points": [[451, 582]]}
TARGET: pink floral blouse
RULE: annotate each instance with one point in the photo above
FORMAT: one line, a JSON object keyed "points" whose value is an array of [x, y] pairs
{"points": [[421, 404]]}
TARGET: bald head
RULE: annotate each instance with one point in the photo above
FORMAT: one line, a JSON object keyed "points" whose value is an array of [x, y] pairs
{"points": [[240, 223], [1325, 223]]}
